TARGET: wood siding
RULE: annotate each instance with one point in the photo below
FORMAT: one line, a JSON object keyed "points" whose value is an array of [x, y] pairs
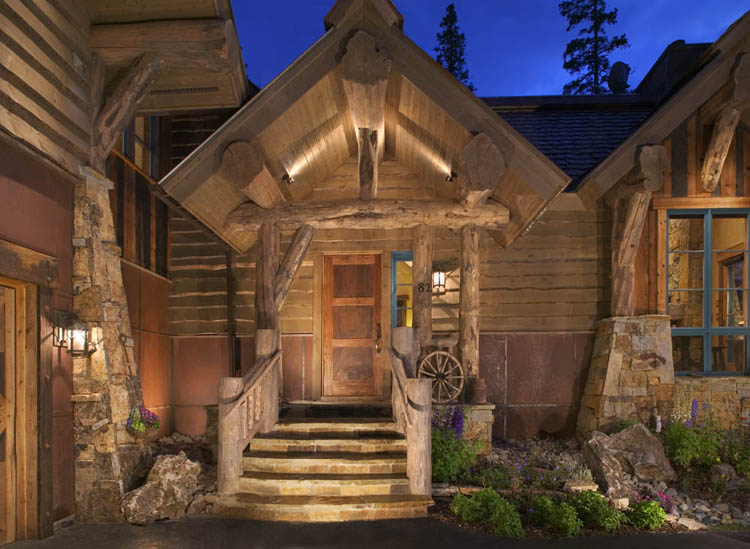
{"points": [[44, 79]]}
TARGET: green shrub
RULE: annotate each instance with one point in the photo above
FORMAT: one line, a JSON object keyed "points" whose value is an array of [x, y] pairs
{"points": [[561, 518], [499, 478], [621, 424], [647, 515], [542, 508], [596, 512], [451, 457], [696, 445], [505, 520], [488, 507], [736, 450]]}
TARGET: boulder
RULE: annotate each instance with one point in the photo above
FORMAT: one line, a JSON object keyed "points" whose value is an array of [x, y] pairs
{"points": [[606, 469], [722, 472], [169, 489], [634, 451]]}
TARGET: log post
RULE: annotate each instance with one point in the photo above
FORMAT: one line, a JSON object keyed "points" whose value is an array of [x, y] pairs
{"points": [[364, 73], [469, 300], [266, 267], [266, 344], [726, 124], [422, 286], [229, 466], [402, 351], [629, 213], [419, 436]]}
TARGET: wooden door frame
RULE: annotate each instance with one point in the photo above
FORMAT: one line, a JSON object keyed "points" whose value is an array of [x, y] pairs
{"points": [[318, 306], [32, 275]]}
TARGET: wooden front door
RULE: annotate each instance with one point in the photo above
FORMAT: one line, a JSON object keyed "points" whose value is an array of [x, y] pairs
{"points": [[7, 414], [352, 334]]}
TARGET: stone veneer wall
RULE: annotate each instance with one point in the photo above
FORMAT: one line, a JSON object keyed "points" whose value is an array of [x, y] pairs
{"points": [[631, 372], [728, 398], [105, 385], [478, 420]]}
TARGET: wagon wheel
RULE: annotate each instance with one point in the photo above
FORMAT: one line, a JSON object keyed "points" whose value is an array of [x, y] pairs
{"points": [[447, 375]]}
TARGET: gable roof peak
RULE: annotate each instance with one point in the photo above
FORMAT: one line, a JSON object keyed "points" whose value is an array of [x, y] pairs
{"points": [[343, 10]]}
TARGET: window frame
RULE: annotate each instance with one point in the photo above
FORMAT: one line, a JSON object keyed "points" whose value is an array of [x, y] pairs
{"points": [[395, 258], [707, 331]]}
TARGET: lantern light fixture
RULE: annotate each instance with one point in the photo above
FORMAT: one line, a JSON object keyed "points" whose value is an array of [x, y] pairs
{"points": [[438, 282], [288, 179], [451, 177], [72, 334]]}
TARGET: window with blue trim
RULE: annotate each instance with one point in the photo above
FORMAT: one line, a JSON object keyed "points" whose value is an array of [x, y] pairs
{"points": [[401, 289], [707, 290]]}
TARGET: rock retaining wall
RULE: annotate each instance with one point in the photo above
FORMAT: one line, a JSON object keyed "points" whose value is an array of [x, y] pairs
{"points": [[728, 398], [631, 373], [105, 385], [478, 420]]}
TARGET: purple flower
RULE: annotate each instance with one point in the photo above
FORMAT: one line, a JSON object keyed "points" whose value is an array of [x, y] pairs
{"points": [[693, 414]]}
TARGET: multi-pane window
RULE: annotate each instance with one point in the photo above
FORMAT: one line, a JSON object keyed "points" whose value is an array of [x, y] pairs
{"points": [[139, 144], [707, 290], [401, 289]]}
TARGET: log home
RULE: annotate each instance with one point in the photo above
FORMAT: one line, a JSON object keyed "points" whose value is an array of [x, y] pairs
{"points": [[362, 234]]}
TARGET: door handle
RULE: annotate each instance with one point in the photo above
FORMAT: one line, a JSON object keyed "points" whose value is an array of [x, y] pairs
{"points": [[378, 339]]}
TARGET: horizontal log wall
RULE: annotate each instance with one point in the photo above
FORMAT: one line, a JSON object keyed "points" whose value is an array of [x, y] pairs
{"points": [[45, 67]]}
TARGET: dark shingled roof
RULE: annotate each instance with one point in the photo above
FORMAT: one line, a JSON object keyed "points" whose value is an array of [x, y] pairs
{"points": [[575, 132]]}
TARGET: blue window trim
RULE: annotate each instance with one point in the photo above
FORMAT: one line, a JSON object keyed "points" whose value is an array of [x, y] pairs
{"points": [[707, 331], [395, 257]]}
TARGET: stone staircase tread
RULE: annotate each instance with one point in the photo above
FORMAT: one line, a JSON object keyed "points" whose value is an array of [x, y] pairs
{"points": [[307, 420], [366, 436], [328, 477], [343, 457], [397, 500]]}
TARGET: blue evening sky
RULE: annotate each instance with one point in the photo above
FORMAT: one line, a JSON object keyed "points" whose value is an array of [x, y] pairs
{"points": [[513, 47]]}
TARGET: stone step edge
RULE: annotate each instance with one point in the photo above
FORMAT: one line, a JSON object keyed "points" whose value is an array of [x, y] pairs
{"points": [[322, 478], [342, 458], [321, 502]]}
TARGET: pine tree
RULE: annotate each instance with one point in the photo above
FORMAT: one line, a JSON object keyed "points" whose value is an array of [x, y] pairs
{"points": [[451, 47], [588, 55]]}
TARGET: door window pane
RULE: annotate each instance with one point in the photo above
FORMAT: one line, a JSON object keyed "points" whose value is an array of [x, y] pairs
{"points": [[685, 233], [729, 232], [728, 353], [686, 309]]}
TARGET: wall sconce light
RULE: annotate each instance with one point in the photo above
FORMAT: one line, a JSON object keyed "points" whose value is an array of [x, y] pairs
{"points": [[72, 334], [438, 282], [288, 179], [451, 177]]}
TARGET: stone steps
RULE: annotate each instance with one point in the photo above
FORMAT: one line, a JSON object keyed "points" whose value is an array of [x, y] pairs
{"points": [[295, 484], [325, 470], [320, 509], [294, 441], [347, 463]]}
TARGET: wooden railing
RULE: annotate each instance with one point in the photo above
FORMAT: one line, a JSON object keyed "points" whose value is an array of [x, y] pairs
{"points": [[247, 406], [412, 409]]}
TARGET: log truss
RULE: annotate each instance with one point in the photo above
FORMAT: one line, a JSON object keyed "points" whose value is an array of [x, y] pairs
{"points": [[726, 124]]}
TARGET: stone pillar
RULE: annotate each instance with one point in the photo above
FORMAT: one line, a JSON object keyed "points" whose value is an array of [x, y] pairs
{"points": [[105, 385], [631, 372]]}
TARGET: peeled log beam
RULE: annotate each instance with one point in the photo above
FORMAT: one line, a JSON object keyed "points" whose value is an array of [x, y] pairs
{"points": [[419, 436], [480, 169], [422, 285], [627, 227], [198, 43], [468, 320], [726, 124], [364, 73], [292, 260], [243, 167], [370, 214], [122, 104], [648, 174]]}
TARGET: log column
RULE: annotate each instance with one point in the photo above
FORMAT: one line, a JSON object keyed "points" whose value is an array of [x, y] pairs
{"points": [[422, 286], [230, 438], [419, 436], [469, 300], [266, 266]]}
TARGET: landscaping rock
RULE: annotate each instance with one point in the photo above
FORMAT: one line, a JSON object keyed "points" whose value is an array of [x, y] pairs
{"points": [[604, 465], [572, 485], [722, 472], [642, 455], [169, 489]]}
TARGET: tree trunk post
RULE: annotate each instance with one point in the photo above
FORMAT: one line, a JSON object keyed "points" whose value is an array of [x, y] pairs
{"points": [[230, 437], [422, 286], [419, 436], [469, 300]]}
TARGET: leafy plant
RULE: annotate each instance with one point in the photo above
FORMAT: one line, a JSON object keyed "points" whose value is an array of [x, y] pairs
{"points": [[688, 446], [488, 507], [647, 515], [452, 457], [561, 518], [574, 468], [736, 450], [662, 498], [595, 511], [621, 424], [498, 478]]}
